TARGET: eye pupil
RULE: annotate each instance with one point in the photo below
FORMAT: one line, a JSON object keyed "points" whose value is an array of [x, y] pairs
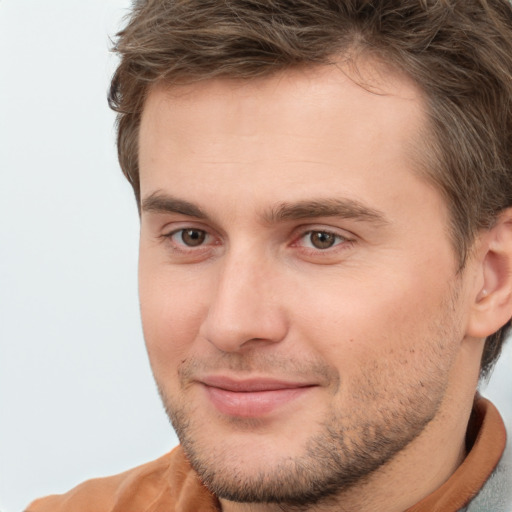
{"points": [[193, 237], [322, 240]]}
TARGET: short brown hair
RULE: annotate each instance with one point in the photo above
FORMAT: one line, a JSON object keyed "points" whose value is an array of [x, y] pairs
{"points": [[458, 51]]}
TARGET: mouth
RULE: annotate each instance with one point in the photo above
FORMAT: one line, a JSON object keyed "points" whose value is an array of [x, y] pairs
{"points": [[252, 398]]}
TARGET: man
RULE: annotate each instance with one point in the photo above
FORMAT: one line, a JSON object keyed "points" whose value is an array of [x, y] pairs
{"points": [[325, 194]]}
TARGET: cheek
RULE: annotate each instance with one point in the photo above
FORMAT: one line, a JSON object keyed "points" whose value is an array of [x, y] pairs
{"points": [[355, 324], [171, 311], [385, 348]]}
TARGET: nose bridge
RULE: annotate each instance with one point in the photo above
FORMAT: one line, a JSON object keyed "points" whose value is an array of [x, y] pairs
{"points": [[244, 305]]}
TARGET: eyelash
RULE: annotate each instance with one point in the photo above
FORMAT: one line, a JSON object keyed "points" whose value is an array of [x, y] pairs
{"points": [[339, 239], [182, 247], [341, 242]]}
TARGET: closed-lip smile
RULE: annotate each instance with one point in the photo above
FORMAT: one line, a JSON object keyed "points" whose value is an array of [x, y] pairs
{"points": [[251, 397]]}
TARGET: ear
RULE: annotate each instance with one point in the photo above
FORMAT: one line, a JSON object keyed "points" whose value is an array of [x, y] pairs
{"points": [[492, 295]]}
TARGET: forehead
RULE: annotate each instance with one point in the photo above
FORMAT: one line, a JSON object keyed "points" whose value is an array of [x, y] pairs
{"points": [[370, 83], [350, 93], [340, 122]]}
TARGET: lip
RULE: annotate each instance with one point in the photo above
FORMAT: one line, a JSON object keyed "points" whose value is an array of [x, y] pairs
{"points": [[251, 398]]}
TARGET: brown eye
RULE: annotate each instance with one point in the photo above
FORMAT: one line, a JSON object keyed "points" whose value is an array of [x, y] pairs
{"points": [[322, 239], [192, 237]]}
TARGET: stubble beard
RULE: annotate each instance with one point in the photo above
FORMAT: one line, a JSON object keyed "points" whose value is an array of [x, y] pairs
{"points": [[350, 444], [347, 448]]}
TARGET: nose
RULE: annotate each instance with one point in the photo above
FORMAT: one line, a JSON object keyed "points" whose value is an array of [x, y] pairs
{"points": [[244, 308]]}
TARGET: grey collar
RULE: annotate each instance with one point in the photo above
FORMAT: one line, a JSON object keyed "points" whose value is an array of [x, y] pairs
{"points": [[496, 494]]}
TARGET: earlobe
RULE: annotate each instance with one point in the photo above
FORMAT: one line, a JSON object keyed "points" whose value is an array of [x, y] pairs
{"points": [[492, 304]]}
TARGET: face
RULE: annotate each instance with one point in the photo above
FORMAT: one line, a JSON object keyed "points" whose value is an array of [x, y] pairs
{"points": [[297, 282]]}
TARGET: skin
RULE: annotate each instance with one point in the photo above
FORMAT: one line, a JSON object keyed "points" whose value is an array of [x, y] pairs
{"points": [[247, 277]]}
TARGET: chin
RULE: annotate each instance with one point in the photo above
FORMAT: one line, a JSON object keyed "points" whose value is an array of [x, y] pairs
{"points": [[254, 467]]}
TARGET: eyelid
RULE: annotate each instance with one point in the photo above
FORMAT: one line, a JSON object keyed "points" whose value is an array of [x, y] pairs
{"points": [[173, 227], [181, 231], [344, 239], [302, 231], [305, 241], [170, 230], [328, 256]]}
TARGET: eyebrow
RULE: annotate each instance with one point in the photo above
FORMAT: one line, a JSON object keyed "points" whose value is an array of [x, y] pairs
{"points": [[163, 203], [159, 202], [329, 207]]}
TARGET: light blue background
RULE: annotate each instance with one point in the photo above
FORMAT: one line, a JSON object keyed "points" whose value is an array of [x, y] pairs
{"points": [[77, 399]]}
